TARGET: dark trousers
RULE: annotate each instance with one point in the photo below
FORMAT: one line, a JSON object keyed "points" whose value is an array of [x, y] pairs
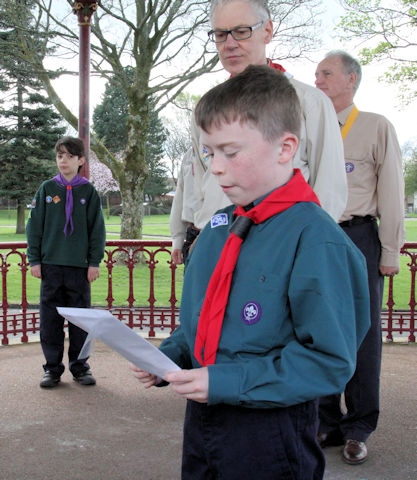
{"points": [[62, 287], [362, 391], [234, 443], [191, 234]]}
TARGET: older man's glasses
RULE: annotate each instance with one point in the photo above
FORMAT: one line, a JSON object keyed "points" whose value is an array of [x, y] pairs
{"points": [[238, 33]]}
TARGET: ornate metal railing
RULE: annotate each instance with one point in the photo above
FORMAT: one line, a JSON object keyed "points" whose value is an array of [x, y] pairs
{"points": [[135, 270], [401, 322]]}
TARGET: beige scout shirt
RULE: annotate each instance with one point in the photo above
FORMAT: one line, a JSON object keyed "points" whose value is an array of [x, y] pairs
{"points": [[319, 157], [375, 180], [182, 210]]}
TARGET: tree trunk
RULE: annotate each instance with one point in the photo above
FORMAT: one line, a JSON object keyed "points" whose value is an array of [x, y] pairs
{"points": [[132, 213], [21, 221], [135, 171]]}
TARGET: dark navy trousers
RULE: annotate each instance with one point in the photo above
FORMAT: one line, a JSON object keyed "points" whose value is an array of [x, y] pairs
{"points": [[235, 443], [62, 286], [362, 391]]}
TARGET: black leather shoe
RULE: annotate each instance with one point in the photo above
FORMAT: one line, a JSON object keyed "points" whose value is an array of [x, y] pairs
{"points": [[334, 438], [49, 380], [85, 378], [355, 452]]}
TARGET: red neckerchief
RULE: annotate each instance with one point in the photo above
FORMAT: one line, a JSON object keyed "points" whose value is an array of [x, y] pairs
{"points": [[276, 66], [212, 313]]}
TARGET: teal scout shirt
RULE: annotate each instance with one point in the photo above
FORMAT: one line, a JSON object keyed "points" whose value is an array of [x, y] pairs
{"points": [[298, 310]]}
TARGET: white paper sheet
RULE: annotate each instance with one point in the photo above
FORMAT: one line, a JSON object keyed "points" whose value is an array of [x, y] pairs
{"points": [[102, 325]]}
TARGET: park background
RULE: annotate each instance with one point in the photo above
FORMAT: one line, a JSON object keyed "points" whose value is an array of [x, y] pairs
{"points": [[156, 227], [299, 44]]}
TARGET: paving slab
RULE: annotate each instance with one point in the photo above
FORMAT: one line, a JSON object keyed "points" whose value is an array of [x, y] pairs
{"points": [[117, 430]]}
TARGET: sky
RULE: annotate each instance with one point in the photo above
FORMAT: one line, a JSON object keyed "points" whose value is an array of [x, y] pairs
{"points": [[373, 95]]}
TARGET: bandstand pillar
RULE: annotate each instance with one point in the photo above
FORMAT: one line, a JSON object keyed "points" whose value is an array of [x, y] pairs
{"points": [[84, 9]]}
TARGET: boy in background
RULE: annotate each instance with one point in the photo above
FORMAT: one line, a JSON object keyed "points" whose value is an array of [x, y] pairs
{"points": [[277, 300], [66, 239]]}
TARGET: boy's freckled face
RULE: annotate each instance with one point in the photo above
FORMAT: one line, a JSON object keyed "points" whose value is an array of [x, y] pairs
{"points": [[246, 165]]}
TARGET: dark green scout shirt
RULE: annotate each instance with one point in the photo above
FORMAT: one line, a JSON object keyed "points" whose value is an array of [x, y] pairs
{"points": [[47, 242]]}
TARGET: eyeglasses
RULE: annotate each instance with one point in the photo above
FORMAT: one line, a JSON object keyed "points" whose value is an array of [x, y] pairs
{"points": [[237, 33]]}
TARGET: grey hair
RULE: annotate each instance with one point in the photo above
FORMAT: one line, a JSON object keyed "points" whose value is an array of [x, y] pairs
{"points": [[350, 65], [260, 8]]}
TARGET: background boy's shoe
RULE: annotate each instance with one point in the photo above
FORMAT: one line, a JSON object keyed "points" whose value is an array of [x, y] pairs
{"points": [[85, 378], [354, 452], [50, 380]]}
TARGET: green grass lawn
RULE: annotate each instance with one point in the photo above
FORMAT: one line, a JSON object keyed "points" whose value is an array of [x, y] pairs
{"points": [[153, 226], [157, 227], [411, 229]]}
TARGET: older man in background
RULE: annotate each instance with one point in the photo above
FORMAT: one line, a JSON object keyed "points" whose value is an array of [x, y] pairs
{"points": [[241, 30], [374, 220]]}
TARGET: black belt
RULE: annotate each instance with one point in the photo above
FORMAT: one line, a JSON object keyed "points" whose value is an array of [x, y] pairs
{"points": [[355, 220]]}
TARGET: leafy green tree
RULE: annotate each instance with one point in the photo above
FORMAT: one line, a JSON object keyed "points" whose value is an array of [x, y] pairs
{"points": [[29, 126], [410, 168], [156, 184], [390, 32], [110, 119], [110, 116]]}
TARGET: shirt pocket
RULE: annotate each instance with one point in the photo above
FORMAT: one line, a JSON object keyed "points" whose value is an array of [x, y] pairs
{"points": [[359, 167], [258, 316]]}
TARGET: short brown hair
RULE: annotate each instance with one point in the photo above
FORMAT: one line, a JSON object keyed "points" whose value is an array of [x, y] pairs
{"points": [[260, 96], [74, 146]]}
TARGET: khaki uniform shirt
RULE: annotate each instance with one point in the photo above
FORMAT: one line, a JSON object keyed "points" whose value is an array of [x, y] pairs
{"points": [[375, 180], [319, 157], [182, 210]]}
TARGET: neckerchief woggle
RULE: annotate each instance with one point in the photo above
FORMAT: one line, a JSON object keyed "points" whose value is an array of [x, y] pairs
{"points": [[69, 201]]}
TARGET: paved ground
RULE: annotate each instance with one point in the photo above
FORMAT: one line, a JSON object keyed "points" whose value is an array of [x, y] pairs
{"points": [[118, 431]]}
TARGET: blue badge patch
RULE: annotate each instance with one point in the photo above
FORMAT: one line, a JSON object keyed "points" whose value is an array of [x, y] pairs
{"points": [[219, 220], [349, 167], [48, 199], [83, 201], [251, 313], [205, 155]]}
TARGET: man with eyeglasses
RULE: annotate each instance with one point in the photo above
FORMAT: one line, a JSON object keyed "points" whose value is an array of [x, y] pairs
{"points": [[241, 29], [238, 33]]}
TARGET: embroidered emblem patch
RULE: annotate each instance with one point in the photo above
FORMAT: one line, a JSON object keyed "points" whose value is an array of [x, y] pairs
{"points": [[349, 167], [56, 199], [205, 154], [48, 199], [251, 313], [219, 220], [83, 201]]}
